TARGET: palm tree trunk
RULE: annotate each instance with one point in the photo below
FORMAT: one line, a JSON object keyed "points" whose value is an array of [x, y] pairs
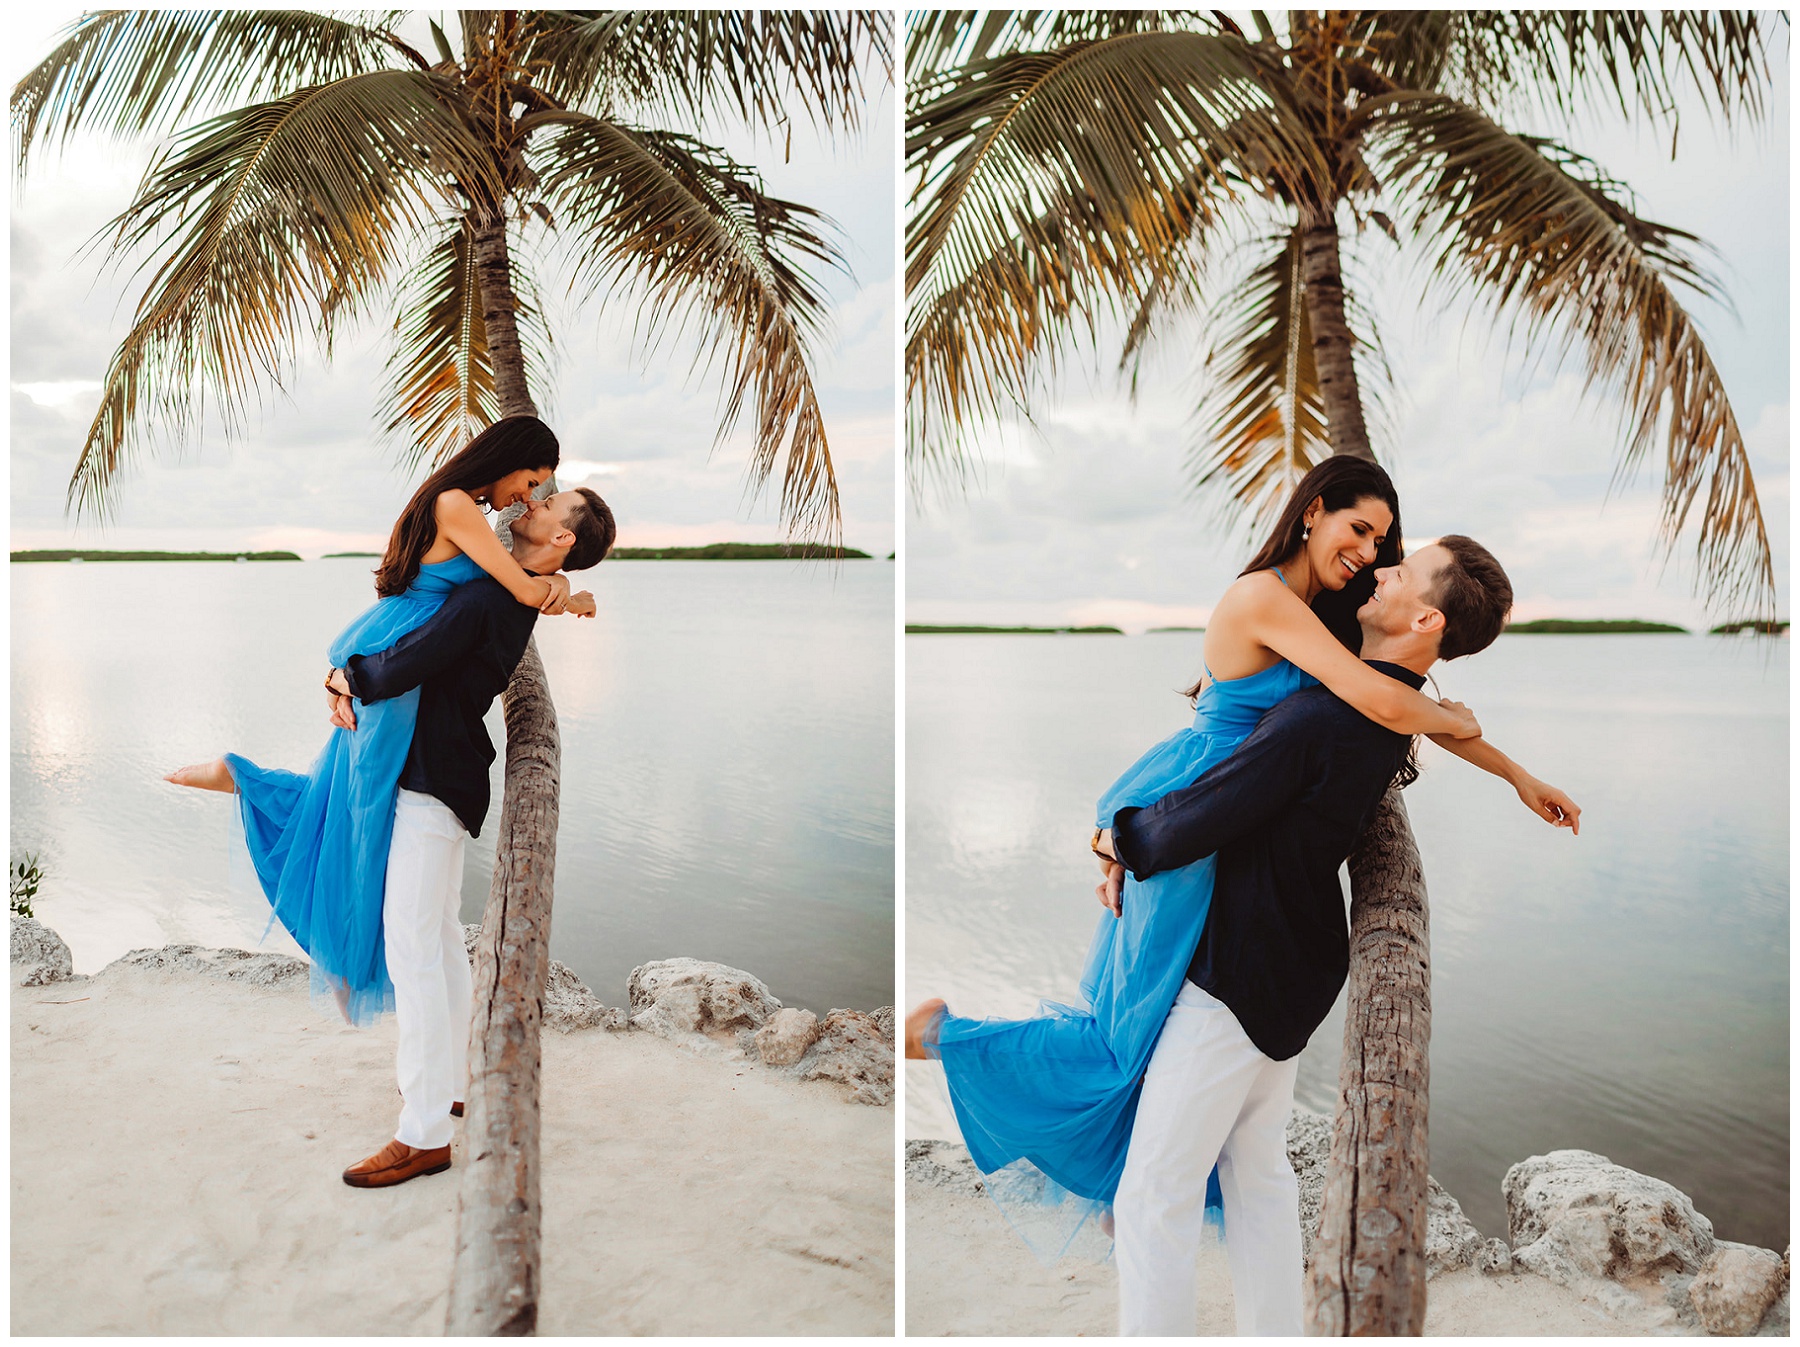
{"points": [[1333, 344], [499, 310], [1367, 1275], [495, 1282]]}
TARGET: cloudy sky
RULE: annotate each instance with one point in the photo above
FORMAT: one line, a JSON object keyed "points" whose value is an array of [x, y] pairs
{"points": [[309, 473], [1088, 517]]}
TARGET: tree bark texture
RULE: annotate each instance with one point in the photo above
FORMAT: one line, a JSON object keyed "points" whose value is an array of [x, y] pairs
{"points": [[1333, 344], [1368, 1261], [494, 1284], [499, 311]]}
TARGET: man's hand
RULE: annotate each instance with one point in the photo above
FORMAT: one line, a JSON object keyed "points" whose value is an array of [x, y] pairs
{"points": [[343, 711], [1550, 804], [582, 604], [558, 597]]}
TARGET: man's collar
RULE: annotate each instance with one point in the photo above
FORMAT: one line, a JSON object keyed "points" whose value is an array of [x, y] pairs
{"points": [[1410, 677]]}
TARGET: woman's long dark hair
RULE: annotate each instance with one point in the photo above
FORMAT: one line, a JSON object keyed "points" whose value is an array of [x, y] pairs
{"points": [[508, 445], [1340, 481]]}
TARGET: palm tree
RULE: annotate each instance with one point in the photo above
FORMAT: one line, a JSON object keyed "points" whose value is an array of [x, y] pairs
{"points": [[355, 176], [1075, 169]]}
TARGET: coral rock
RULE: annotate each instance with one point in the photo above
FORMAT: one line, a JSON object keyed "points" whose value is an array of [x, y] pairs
{"points": [[39, 955], [786, 1037], [677, 997], [1735, 1287], [854, 1048], [1575, 1215]]}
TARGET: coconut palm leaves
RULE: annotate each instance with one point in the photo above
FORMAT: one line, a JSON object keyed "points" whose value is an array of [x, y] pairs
{"points": [[704, 247], [1070, 169], [269, 220], [1541, 234], [362, 174]]}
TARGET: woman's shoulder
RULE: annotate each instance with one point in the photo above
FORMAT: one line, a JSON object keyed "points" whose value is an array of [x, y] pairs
{"points": [[454, 501], [1250, 594]]}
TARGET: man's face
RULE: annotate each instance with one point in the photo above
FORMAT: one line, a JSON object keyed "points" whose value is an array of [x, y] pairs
{"points": [[545, 523], [1402, 597]]}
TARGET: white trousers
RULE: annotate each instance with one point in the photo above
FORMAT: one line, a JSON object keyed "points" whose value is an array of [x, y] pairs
{"points": [[1209, 1097], [422, 926]]}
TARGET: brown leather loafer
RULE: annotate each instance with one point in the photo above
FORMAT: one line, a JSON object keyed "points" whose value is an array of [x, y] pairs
{"points": [[394, 1163]]}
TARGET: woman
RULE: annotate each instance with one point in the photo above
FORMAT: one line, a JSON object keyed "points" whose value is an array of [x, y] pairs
{"points": [[319, 841], [1046, 1104]]}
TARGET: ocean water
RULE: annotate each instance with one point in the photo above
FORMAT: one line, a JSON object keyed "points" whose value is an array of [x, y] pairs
{"points": [[1625, 991], [727, 751]]}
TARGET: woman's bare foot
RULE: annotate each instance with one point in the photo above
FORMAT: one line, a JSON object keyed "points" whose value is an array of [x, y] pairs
{"points": [[916, 1025], [214, 775]]}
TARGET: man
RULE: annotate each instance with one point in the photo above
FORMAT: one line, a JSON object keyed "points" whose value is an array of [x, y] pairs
{"points": [[459, 661], [1282, 813]]}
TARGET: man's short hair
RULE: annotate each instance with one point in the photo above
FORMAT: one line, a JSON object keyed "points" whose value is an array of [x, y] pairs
{"points": [[592, 524], [1473, 594]]}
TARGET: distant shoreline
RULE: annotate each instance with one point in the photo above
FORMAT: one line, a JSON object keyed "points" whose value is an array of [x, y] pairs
{"points": [[710, 552], [85, 554], [919, 629]]}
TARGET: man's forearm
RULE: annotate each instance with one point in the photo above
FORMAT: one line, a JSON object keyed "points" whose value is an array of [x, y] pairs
{"points": [[1267, 773], [417, 656]]}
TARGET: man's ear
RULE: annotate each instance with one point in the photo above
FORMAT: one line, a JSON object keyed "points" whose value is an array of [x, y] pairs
{"points": [[564, 538], [1430, 622]]}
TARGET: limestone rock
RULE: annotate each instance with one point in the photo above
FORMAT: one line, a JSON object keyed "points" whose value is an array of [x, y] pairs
{"points": [[884, 1021], [853, 1047], [1451, 1239], [255, 968], [1574, 1216], [1735, 1288], [787, 1036], [943, 1164], [1308, 1148], [569, 1005], [677, 997], [39, 955]]}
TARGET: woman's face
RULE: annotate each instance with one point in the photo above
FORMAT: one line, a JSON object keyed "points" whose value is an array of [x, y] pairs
{"points": [[1344, 541], [517, 486]]}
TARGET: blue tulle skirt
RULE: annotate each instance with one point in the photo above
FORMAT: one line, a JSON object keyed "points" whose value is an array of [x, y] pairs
{"points": [[319, 840], [1046, 1105]]}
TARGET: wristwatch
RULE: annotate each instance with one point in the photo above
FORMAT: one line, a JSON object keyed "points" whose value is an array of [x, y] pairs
{"points": [[1094, 843]]}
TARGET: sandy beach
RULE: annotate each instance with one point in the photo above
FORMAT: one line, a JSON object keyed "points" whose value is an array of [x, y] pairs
{"points": [[177, 1140]]}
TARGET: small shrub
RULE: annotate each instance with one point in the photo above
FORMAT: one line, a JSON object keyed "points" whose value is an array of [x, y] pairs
{"points": [[23, 880]]}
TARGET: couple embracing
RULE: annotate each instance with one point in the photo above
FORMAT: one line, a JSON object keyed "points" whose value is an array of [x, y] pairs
{"points": [[1225, 941], [361, 856]]}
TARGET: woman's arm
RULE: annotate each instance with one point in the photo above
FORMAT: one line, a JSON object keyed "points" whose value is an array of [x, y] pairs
{"points": [[1541, 798], [460, 520], [1278, 620]]}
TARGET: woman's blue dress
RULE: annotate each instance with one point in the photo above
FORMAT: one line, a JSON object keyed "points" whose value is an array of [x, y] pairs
{"points": [[1046, 1104], [320, 841]]}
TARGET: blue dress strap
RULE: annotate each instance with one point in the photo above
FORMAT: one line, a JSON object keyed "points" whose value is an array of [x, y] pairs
{"points": [[1279, 576]]}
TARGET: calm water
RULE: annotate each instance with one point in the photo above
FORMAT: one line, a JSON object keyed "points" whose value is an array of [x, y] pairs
{"points": [[727, 779], [1624, 992]]}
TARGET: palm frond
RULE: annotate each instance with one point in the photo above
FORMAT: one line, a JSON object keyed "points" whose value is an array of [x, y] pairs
{"points": [[1543, 235], [943, 39], [271, 222], [440, 389], [685, 65], [1262, 419], [135, 71], [1635, 60], [1075, 168], [702, 243]]}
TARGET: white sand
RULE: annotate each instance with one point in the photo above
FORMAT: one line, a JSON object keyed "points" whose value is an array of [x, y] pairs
{"points": [[967, 1273], [177, 1142]]}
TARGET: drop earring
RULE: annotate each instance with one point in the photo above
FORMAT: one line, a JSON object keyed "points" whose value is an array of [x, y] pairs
{"points": [[1306, 533]]}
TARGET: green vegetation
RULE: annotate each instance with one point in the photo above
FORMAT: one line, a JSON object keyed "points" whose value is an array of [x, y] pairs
{"points": [[918, 629], [22, 882], [1763, 627], [741, 552], [80, 554], [1559, 626], [1156, 629], [330, 555]]}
